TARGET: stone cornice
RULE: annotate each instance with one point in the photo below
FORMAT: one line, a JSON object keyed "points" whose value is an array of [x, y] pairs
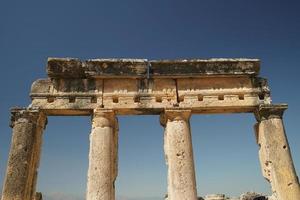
{"points": [[265, 112], [142, 68]]}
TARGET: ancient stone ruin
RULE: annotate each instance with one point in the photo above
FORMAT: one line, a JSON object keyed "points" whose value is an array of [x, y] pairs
{"points": [[173, 89]]}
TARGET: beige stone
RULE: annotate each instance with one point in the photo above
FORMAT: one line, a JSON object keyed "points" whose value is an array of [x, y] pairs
{"points": [[274, 153], [215, 197], [179, 155], [102, 156], [24, 156]]}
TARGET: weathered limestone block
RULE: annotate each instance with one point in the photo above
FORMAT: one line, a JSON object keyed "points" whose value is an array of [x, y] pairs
{"points": [[65, 67], [141, 68], [96, 68], [102, 156], [274, 153], [252, 196], [24, 156], [66, 96], [209, 67], [124, 94], [133, 68], [215, 197], [226, 92], [179, 155], [119, 92]]}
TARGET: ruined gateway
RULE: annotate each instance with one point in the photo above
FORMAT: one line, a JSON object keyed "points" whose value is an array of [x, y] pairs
{"points": [[173, 89]]}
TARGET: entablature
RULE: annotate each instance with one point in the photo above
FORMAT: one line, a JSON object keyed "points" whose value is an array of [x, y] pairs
{"points": [[138, 86]]}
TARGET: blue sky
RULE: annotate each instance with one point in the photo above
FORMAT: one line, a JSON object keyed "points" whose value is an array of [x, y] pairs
{"points": [[224, 147]]}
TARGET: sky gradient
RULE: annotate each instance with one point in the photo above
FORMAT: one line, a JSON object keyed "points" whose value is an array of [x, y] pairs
{"points": [[225, 151]]}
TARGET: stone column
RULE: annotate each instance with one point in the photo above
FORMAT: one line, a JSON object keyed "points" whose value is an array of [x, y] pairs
{"points": [[102, 156], [24, 156], [115, 155], [274, 152], [179, 155]]}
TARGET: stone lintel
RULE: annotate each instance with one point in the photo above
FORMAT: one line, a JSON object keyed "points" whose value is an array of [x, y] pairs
{"points": [[35, 116], [141, 68], [145, 111], [65, 87], [104, 118], [174, 115], [269, 111]]}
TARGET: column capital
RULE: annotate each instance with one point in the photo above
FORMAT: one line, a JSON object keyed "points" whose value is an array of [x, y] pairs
{"points": [[265, 112], [104, 118], [19, 114], [174, 115]]}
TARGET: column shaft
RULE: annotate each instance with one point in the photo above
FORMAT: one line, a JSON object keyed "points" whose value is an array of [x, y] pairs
{"points": [[179, 156], [115, 155], [21, 174], [101, 172], [275, 156]]}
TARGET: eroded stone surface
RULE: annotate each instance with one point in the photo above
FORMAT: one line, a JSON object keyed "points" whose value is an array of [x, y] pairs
{"points": [[24, 156], [75, 68], [102, 157], [179, 155], [253, 196], [274, 153], [141, 68], [215, 197], [201, 67]]}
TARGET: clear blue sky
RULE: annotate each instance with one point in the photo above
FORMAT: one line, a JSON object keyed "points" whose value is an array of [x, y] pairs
{"points": [[224, 147]]}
